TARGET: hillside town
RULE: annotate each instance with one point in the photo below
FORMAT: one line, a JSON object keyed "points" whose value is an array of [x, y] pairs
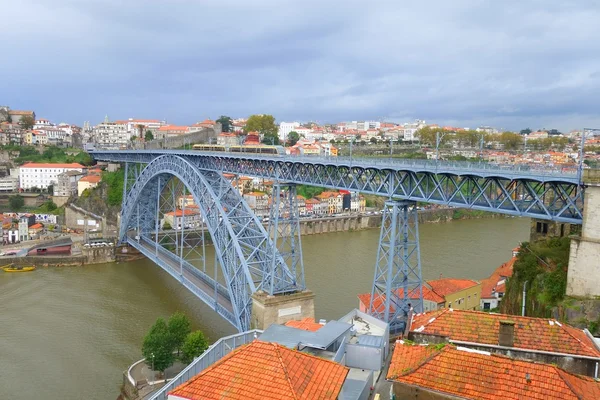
{"points": [[512, 350]]}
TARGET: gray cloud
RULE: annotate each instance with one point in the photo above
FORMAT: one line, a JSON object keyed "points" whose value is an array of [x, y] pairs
{"points": [[465, 62]]}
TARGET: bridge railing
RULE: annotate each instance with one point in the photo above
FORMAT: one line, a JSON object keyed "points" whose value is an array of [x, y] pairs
{"points": [[214, 353]]}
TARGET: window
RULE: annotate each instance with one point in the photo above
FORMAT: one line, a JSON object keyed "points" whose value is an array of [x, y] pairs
{"points": [[450, 305], [542, 227]]}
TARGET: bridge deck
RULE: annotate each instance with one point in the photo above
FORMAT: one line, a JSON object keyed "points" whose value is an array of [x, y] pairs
{"points": [[201, 285]]}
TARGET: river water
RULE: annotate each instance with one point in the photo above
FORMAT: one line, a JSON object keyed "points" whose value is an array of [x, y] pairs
{"points": [[68, 333]]}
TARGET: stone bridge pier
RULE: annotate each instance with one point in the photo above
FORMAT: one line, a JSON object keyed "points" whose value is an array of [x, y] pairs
{"points": [[583, 276]]}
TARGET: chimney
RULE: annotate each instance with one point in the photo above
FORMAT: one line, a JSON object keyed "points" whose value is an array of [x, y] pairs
{"points": [[506, 335]]}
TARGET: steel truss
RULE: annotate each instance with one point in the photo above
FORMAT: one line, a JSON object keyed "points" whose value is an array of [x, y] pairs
{"points": [[284, 229], [397, 285], [244, 251], [527, 194]]}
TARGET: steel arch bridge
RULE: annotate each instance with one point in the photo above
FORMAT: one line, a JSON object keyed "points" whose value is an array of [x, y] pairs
{"points": [[248, 258], [247, 253]]}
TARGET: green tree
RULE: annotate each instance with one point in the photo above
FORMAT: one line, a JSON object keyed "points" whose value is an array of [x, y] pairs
{"points": [[525, 131], [427, 135], [16, 202], [167, 226], [157, 347], [114, 182], [373, 140], [510, 140], [293, 138], [27, 122], [179, 328], [149, 136], [194, 345], [226, 123], [264, 125]]}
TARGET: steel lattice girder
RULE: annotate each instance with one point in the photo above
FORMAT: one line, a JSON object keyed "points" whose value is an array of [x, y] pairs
{"points": [[284, 229], [243, 248], [397, 284], [556, 198]]}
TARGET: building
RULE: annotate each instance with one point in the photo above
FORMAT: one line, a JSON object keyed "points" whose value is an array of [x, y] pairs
{"points": [[285, 128], [494, 287], [190, 217], [25, 222], [536, 339], [267, 371], [9, 184], [66, 183], [334, 200], [459, 294], [228, 139], [87, 182], [258, 202], [35, 230], [186, 201], [171, 130], [431, 300], [111, 135], [448, 372], [42, 175], [16, 115]]}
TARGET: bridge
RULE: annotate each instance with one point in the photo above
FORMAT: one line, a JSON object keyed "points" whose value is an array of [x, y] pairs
{"points": [[251, 260]]}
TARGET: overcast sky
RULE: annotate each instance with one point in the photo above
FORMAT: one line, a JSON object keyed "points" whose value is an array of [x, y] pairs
{"points": [[510, 64]]}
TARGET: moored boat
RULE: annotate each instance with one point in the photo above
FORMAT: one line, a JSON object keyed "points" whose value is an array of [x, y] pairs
{"points": [[18, 268]]}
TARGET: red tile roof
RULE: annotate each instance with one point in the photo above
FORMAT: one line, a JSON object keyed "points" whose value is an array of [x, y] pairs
{"points": [[49, 165], [481, 327], [480, 375], [91, 178], [379, 303], [187, 212], [491, 285], [266, 371], [36, 226], [446, 286], [306, 324]]}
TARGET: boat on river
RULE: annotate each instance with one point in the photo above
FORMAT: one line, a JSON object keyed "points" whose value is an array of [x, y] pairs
{"points": [[18, 268]]}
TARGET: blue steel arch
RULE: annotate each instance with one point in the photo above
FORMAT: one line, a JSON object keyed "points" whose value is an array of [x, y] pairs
{"points": [[248, 258]]}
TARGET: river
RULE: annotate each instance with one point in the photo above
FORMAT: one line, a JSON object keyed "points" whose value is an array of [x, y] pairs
{"points": [[68, 333]]}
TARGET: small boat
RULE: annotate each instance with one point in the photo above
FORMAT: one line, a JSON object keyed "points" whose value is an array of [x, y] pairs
{"points": [[17, 268]]}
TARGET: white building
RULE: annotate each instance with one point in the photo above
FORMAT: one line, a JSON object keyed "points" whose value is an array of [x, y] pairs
{"points": [[42, 175], [287, 127], [9, 184], [411, 128], [111, 135], [190, 217], [42, 123]]}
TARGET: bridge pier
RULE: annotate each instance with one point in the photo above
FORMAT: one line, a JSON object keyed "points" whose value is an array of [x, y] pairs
{"points": [[279, 309], [583, 276], [397, 285]]}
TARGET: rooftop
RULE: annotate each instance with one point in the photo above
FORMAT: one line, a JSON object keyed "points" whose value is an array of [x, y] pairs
{"points": [[187, 212], [91, 178], [50, 165], [306, 324], [379, 303], [480, 375], [446, 286], [529, 333], [263, 370], [495, 283]]}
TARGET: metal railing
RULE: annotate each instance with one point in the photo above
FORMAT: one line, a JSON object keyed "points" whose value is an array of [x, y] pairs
{"points": [[214, 353]]}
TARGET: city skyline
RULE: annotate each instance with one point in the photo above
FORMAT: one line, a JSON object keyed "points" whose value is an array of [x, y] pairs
{"points": [[511, 65]]}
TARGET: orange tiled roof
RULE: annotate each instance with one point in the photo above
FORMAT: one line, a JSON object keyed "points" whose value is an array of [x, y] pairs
{"points": [[446, 286], [490, 285], [306, 324], [91, 178], [379, 303], [36, 226], [179, 213], [48, 165], [481, 327], [480, 375], [266, 371]]}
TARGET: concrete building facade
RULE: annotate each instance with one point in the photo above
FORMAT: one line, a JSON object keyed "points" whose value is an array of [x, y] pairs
{"points": [[42, 175]]}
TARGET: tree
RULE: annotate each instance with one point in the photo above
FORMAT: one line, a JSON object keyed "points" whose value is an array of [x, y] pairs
{"points": [[16, 202], [373, 140], [167, 226], [264, 125], [157, 347], [27, 122], [332, 141], [525, 131], [149, 136], [510, 140], [293, 138], [179, 328], [194, 345], [226, 123], [427, 135]]}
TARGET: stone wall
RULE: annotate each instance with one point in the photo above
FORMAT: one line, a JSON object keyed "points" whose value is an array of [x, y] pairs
{"points": [[175, 142]]}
